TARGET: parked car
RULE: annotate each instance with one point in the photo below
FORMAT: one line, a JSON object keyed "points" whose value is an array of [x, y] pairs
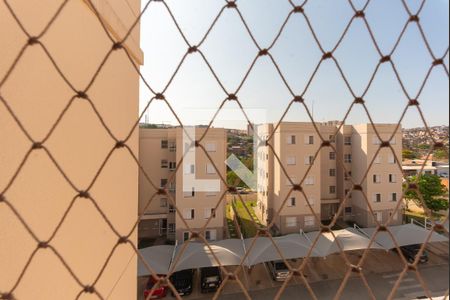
{"points": [[278, 270], [182, 281], [210, 279], [158, 293], [410, 252]]}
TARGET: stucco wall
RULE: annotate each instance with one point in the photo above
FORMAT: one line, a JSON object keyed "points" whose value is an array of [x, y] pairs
{"points": [[40, 194]]}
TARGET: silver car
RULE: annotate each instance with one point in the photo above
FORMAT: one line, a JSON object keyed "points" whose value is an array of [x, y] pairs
{"points": [[278, 270]]}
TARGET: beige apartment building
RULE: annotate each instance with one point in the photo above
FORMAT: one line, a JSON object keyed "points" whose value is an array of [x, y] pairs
{"points": [[196, 187], [40, 194], [326, 184]]}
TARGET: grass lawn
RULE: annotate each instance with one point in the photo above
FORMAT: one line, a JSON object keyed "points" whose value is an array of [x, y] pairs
{"points": [[230, 224], [247, 222], [420, 217]]}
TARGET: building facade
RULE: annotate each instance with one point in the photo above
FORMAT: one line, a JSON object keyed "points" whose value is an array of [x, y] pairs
{"points": [[328, 175], [161, 150]]}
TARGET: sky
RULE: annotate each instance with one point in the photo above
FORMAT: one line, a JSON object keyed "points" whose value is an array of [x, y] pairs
{"points": [[195, 94]]}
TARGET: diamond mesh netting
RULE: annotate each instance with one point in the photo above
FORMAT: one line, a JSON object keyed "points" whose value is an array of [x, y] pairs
{"points": [[125, 238]]}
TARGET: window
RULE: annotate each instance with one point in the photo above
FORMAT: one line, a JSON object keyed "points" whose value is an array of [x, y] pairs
{"points": [[163, 183], [172, 165], [332, 172], [347, 176], [332, 155], [164, 144], [348, 210], [210, 235], [189, 169], [291, 161], [172, 146], [377, 159], [171, 228], [186, 236], [189, 214], [332, 189], [210, 212], [164, 164], [211, 147], [309, 140], [394, 197], [348, 141], [172, 209], [291, 140], [377, 198], [163, 202], [392, 178], [309, 160], [392, 159], [291, 222], [377, 179], [348, 158], [210, 169], [309, 180], [378, 216], [190, 194], [292, 202], [309, 221]]}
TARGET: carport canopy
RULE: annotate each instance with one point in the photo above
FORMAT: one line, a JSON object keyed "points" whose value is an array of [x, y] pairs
{"points": [[408, 234], [345, 239], [198, 255], [167, 259], [158, 258], [291, 246]]}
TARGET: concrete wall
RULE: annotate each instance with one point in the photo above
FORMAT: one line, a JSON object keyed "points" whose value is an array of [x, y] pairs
{"points": [[40, 194]]}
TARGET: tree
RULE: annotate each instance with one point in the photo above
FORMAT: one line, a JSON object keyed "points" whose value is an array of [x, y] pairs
{"points": [[233, 179], [432, 190], [424, 146], [409, 154], [440, 154]]}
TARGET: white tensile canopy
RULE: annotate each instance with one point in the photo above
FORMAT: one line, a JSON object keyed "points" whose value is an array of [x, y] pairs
{"points": [[167, 259], [408, 234], [291, 246], [158, 258], [198, 255], [348, 241]]}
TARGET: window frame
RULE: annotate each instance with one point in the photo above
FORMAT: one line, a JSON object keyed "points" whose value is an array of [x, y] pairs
{"points": [[292, 202], [348, 158], [348, 141], [310, 221], [332, 172], [332, 189], [377, 198], [291, 222]]}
